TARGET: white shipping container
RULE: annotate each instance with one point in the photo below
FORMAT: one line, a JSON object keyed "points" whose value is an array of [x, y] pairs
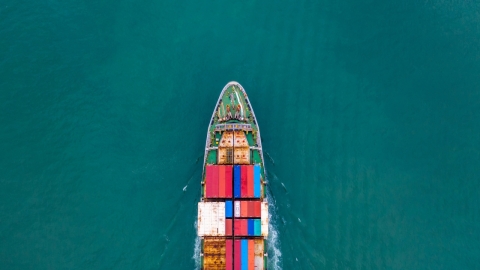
{"points": [[264, 218], [258, 255], [237, 209], [221, 219], [211, 219]]}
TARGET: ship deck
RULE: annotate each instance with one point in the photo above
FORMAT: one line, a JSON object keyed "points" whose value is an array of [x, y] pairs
{"points": [[232, 96]]}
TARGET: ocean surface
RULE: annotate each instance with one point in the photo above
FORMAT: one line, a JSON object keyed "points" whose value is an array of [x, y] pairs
{"points": [[369, 114]]}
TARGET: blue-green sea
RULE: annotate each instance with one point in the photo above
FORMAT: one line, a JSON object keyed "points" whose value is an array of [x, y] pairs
{"points": [[369, 113]]}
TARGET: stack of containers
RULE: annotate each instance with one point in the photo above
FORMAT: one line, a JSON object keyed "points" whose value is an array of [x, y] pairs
{"points": [[211, 219], [246, 181], [228, 218], [245, 217], [247, 227], [244, 254], [245, 251], [218, 181], [248, 209], [214, 253]]}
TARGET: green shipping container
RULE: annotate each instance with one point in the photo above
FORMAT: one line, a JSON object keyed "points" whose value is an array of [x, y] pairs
{"points": [[258, 227]]}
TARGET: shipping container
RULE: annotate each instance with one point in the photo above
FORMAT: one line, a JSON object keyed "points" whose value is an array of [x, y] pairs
{"points": [[221, 181], [229, 255], [236, 181], [251, 254], [244, 208], [256, 181], [228, 209], [244, 254], [264, 210], [257, 227], [214, 181], [237, 255], [250, 208], [211, 219], [228, 182], [257, 209], [228, 227], [258, 253], [244, 227], [214, 253], [250, 187], [241, 227], [237, 209], [251, 227], [237, 227], [243, 182], [208, 181]]}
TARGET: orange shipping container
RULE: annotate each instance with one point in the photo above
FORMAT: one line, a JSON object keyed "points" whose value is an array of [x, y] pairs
{"points": [[244, 208], [249, 181], [221, 181], [214, 253], [257, 208], [245, 227], [251, 253]]}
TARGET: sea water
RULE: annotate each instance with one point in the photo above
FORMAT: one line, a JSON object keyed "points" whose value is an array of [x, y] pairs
{"points": [[368, 110]]}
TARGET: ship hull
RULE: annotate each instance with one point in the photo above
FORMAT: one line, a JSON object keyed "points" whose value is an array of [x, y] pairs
{"points": [[233, 211]]}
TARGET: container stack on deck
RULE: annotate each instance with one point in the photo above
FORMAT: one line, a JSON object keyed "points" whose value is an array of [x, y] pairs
{"points": [[233, 218]]}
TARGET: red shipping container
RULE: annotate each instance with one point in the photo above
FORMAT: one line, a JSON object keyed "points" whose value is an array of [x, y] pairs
{"points": [[228, 227], [251, 255], [237, 255], [208, 181], [237, 227], [257, 209], [215, 181], [229, 255], [244, 227], [250, 209], [250, 181], [243, 182], [241, 227], [244, 208], [221, 181], [228, 181]]}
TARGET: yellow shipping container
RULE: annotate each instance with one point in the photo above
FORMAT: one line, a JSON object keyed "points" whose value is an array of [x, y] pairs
{"points": [[214, 254]]}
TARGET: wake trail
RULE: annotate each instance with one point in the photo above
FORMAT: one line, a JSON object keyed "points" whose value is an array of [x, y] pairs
{"points": [[273, 239]]}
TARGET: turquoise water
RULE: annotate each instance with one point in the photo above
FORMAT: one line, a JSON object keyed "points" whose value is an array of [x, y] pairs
{"points": [[369, 113]]}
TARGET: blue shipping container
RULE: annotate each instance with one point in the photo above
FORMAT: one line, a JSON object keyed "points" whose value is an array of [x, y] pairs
{"points": [[256, 181], [244, 263], [258, 227], [236, 181], [228, 209], [251, 227]]}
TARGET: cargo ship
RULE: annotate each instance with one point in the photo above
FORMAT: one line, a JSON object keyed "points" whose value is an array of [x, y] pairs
{"points": [[233, 211]]}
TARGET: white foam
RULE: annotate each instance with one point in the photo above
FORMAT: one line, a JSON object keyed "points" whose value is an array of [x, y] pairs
{"points": [[273, 241], [196, 250]]}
